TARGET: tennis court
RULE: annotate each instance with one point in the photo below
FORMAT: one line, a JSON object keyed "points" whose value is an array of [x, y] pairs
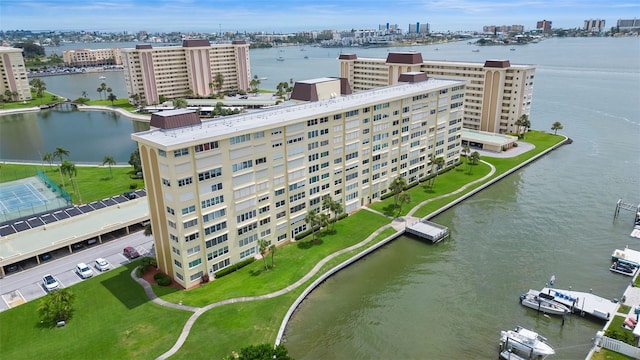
{"points": [[26, 197]]}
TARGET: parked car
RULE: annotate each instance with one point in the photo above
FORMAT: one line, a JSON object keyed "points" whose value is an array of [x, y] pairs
{"points": [[244, 97], [50, 283], [84, 271], [130, 253], [102, 264], [45, 256]]}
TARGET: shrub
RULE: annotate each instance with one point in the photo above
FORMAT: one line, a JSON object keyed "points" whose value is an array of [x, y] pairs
{"points": [[162, 279], [234, 267], [133, 186], [140, 271], [515, 144]]}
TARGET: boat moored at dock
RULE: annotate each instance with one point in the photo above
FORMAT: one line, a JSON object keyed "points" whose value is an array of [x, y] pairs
{"points": [[544, 303], [524, 343]]}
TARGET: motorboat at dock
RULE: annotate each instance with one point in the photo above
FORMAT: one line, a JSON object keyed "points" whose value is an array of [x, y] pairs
{"points": [[524, 343], [544, 303]]}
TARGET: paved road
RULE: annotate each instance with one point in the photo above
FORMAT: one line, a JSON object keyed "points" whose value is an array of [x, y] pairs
{"points": [[26, 285]]}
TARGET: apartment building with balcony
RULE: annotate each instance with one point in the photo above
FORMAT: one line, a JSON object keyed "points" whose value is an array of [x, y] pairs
{"points": [[188, 70], [13, 75], [216, 187], [92, 57], [497, 92]]}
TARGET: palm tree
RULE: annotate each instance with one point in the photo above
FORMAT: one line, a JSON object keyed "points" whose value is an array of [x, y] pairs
{"points": [[148, 231], [312, 219], [109, 160], [337, 209], [218, 80], [397, 186], [404, 198], [438, 162], [70, 169], [465, 150], [254, 84], [59, 153], [324, 220], [48, 157], [84, 94], [272, 250], [112, 97], [556, 126], [263, 247], [474, 157], [99, 90]]}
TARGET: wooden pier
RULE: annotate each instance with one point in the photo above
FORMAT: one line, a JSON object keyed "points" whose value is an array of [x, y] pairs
{"points": [[584, 303], [428, 230]]}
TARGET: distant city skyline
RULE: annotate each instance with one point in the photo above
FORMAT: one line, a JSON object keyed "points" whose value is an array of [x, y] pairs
{"points": [[283, 16]]}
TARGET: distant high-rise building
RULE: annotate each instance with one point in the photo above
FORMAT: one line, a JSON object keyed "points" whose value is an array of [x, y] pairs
{"points": [[544, 25], [497, 95], [177, 71], [418, 28], [503, 28], [13, 74], [92, 57], [629, 24], [594, 25]]}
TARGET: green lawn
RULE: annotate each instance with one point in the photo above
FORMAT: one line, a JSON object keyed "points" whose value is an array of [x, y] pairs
{"points": [[47, 98], [113, 319], [292, 262], [94, 183]]}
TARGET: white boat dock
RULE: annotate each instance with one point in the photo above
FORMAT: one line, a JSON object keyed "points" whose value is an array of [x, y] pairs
{"points": [[425, 229], [627, 255], [584, 303]]}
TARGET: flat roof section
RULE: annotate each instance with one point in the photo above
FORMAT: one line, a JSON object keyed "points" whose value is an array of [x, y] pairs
{"points": [[487, 137], [31, 242], [281, 116]]}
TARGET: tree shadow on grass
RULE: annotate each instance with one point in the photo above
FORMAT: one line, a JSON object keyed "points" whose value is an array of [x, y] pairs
{"points": [[389, 210], [308, 244], [121, 287], [428, 189]]}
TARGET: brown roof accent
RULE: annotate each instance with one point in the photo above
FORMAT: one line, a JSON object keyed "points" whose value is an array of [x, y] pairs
{"points": [[238, 42], [345, 87], [195, 43], [404, 58], [172, 119], [304, 92], [497, 63], [347, 57], [413, 77], [143, 46]]}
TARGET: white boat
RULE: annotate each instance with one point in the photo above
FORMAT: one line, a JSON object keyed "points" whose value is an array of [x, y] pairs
{"points": [[102, 77], [544, 303], [525, 342]]}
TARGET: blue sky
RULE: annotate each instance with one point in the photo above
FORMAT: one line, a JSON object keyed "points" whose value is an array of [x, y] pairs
{"points": [[294, 15]]}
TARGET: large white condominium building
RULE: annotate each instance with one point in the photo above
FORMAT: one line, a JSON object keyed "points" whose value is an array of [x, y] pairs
{"points": [[498, 93], [15, 84], [92, 57], [187, 70], [216, 187]]}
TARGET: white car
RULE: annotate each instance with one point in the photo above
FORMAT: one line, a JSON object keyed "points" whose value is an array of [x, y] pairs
{"points": [[102, 264], [50, 283], [84, 271]]}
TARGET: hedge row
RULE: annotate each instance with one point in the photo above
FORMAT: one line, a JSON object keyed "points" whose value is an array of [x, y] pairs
{"points": [[234, 267]]}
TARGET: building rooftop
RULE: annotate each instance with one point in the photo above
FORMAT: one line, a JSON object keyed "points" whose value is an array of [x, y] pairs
{"points": [[464, 63], [170, 139]]}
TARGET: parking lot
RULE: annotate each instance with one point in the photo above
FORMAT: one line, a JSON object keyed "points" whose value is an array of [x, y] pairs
{"points": [[26, 284]]}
